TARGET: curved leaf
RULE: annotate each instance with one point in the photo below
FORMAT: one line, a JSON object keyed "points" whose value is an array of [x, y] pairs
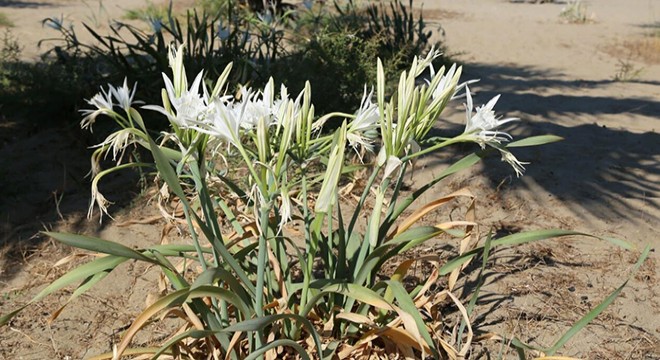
{"points": [[80, 273], [137, 351], [260, 323], [178, 298], [408, 307], [193, 333], [535, 140], [353, 291], [580, 324], [99, 245], [282, 342], [522, 238], [211, 275]]}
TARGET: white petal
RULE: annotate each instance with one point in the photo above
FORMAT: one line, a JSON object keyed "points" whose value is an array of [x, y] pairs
{"points": [[393, 163]]}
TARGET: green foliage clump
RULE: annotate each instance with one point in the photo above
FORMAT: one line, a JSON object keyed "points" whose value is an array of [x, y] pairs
{"points": [[329, 45], [338, 47], [5, 21], [336, 63], [151, 12]]}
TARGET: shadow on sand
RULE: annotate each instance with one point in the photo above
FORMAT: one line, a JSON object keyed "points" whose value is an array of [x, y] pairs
{"points": [[609, 173], [596, 170], [23, 4]]}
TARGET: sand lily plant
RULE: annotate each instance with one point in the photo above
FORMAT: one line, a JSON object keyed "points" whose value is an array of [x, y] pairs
{"points": [[287, 260]]}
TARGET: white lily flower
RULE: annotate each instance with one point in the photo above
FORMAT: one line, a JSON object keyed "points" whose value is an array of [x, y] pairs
{"points": [[516, 164], [103, 104], [190, 108], [117, 141], [366, 120], [222, 121], [285, 209], [481, 128], [445, 81], [253, 109], [99, 200], [280, 106], [483, 124], [391, 162], [124, 95]]}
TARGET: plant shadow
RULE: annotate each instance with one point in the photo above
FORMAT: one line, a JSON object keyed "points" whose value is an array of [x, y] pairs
{"points": [[44, 186], [23, 4], [598, 171]]}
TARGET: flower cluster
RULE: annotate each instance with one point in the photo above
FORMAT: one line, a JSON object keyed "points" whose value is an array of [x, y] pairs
{"points": [[224, 116], [277, 123], [103, 102]]}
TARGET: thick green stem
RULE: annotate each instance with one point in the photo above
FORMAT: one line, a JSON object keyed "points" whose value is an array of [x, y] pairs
{"points": [[430, 149], [365, 193], [261, 269], [308, 240]]}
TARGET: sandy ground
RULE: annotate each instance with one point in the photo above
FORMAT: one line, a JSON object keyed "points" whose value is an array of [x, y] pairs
{"points": [[557, 77]]}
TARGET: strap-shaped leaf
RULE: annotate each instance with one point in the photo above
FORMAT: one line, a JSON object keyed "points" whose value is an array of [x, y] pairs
{"points": [[80, 273], [193, 333], [522, 238], [282, 342], [407, 305], [130, 352], [580, 324], [211, 275], [353, 291], [99, 245], [535, 141], [82, 288], [162, 162], [260, 323], [460, 165], [176, 299]]}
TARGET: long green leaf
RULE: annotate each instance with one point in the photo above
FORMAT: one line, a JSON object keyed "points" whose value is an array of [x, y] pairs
{"points": [[194, 333], [353, 291], [535, 140], [260, 323], [100, 246], [162, 162], [580, 324], [408, 306], [282, 342], [129, 352], [224, 252], [460, 165], [88, 284], [211, 275], [522, 238], [78, 274], [176, 299]]}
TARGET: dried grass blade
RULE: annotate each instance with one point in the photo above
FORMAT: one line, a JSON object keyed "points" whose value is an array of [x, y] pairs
{"points": [[419, 213]]}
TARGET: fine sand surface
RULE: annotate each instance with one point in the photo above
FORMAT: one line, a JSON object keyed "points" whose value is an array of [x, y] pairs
{"points": [[557, 77]]}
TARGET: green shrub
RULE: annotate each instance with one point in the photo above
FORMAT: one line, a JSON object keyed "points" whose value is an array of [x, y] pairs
{"points": [[5, 21], [319, 45], [151, 12]]}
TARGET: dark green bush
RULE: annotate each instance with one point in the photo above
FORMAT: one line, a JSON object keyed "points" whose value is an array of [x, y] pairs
{"points": [[328, 45]]}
